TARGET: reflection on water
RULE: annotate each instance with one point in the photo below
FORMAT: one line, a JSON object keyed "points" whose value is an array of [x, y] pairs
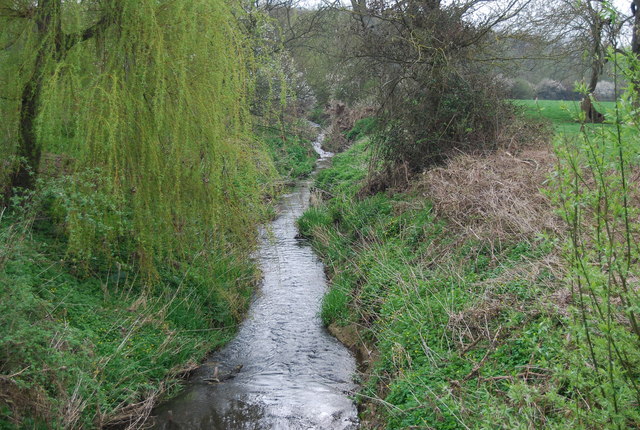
{"points": [[293, 374]]}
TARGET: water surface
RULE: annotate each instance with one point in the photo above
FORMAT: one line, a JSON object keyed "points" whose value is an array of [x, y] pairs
{"points": [[288, 372]]}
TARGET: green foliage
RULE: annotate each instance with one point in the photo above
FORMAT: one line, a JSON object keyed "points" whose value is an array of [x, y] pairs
{"points": [[463, 338], [312, 218], [445, 100], [335, 304], [147, 103], [595, 190], [293, 154], [84, 202], [126, 262], [76, 350], [348, 169], [460, 341], [439, 110], [361, 128]]}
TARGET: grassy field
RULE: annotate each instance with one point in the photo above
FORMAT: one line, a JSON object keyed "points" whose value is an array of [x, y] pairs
{"points": [[563, 114]]}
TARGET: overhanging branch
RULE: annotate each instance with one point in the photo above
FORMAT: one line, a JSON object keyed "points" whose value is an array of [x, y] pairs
{"points": [[70, 40]]}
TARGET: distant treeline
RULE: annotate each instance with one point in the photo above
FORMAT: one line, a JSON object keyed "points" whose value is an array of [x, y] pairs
{"points": [[549, 89]]}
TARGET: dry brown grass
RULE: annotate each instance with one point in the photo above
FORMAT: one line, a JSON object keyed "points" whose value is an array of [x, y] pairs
{"points": [[132, 416], [498, 199], [23, 402], [495, 197]]}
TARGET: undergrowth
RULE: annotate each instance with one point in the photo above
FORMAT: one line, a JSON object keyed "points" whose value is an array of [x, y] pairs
{"points": [[89, 340], [457, 294], [291, 150], [88, 344]]}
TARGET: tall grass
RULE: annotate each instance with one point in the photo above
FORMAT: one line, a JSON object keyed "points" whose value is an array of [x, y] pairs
{"points": [[453, 329]]}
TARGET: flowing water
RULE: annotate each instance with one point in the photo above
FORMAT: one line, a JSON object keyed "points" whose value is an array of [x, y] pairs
{"points": [[283, 370]]}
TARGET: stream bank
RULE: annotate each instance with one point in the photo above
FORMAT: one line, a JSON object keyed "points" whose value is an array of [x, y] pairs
{"points": [[448, 289], [283, 369], [92, 342]]}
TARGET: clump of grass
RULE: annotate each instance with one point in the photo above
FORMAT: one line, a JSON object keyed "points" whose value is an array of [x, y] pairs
{"points": [[455, 288], [361, 128], [290, 148]]}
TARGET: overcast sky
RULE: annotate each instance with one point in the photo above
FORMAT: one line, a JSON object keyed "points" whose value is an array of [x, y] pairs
{"points": [[624, 6]]}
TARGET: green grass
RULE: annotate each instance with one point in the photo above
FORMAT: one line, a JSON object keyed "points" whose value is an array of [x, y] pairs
{"points": [[361, 128], [77, 347], [292, 153], [452, 330], [563, 114], [84, 336]]}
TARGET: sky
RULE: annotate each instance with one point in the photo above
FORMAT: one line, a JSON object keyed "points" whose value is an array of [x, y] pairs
{"points": [[624, 6]]}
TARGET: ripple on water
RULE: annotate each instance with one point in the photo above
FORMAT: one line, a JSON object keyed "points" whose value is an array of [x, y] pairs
{"points": [[293, 374]]}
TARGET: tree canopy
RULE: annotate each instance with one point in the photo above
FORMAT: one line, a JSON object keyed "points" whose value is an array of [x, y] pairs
{"points": [[146, 102]]}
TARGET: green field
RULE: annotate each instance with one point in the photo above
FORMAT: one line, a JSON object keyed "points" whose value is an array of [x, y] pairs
{"points": [[563, 114]]}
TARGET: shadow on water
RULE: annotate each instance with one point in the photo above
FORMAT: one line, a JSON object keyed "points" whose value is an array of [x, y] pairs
{"points": [[283, 370]]}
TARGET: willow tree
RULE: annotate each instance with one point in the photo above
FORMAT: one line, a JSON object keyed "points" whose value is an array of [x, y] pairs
{"points": [[146, 101]]}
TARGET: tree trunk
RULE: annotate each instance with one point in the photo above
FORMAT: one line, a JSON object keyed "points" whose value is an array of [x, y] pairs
{"points": [[597, 64], [591, 113], [49, 40], [29, 149], [635, 39]]}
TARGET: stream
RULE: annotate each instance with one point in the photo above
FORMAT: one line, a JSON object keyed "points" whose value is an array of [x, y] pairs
{"points": [[283, 370]]}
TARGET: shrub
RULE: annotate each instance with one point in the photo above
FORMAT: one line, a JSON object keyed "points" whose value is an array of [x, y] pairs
{"points": [[548, 89], [522, 89], [597, 191], [433, 97], [424, 123]]}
